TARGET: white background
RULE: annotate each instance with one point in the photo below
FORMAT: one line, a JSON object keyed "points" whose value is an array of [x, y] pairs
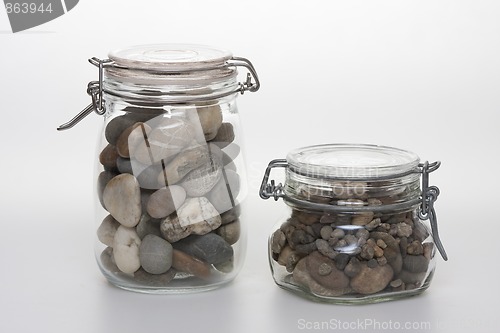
{"points": [[419, 75]]}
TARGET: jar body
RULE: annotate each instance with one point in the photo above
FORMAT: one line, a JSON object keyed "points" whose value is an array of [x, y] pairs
{"points": [[352, 257], [355, 232], [170, 183]]}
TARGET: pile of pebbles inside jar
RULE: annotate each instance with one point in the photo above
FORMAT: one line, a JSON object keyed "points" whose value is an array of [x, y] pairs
{"points": [[170, 186], [353, 254]]}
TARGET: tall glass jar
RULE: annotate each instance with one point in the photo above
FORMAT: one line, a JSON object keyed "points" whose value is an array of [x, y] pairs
{"points": [[360, 227], [170, 176]]}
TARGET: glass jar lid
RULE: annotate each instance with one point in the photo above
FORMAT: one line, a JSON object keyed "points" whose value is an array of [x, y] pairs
{"points": [[170, 57], [351, 161]]}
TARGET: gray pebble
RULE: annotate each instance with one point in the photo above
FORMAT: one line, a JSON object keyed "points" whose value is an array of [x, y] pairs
{"points": [[210, 248], [155, 254], [147, 226], [415, 264], [326, 232]]}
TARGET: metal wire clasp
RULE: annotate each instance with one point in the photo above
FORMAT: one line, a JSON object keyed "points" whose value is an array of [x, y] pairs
{"points": [[429, 196], [94, 89], [268, 190]]}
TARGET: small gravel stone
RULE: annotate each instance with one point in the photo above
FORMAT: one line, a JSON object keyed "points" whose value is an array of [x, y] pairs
{"points": [[396, 283], [325, 249], [373, 224], [381, 244], [326, 232], [353, 267], [338, 233], [278, 241], [362, 219], [324, 269], [428, 248], [367, 252], [403, 230], [372, 263], [415, 248], [377, 251], [382, 261], [342, 260]]}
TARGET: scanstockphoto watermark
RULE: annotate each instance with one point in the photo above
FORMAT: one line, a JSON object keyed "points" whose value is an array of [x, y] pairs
{"points": [[359, 324], [26, 14]]}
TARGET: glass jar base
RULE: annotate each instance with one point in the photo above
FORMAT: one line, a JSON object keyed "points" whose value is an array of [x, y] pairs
{"points": [[187, 285], [357, 299]]}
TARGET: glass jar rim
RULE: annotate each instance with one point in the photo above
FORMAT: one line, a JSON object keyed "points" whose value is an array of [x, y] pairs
{"points": [[351, 161]]}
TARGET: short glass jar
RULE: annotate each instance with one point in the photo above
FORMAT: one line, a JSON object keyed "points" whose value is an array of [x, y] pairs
{"points": [[361, 228], [170, 175]]}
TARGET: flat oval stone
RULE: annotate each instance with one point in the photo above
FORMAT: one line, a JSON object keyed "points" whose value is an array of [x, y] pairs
{"points": [[115, 128], [126, 249], [107, 229], [155, 254], [165, 201], [230, 232], [224, 136], [108, 157], [202, 179], [209, 248], [199, 216], [210, 117], [168, 137], [302, 277], [223, 195], [415, 264], [185, 162], [185, 263], [372, 280], [122, 199], [331, 278]]}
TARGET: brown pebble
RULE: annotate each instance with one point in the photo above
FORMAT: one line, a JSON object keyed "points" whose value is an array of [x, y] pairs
{"points": [[108, 157], [372, 263], [130, 135], [381, 243], [377, 251], [185, 263], [415, 248]]}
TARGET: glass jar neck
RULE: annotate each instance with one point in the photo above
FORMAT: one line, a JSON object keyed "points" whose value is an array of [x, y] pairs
{"points": [[382, 193], [169, 88]]}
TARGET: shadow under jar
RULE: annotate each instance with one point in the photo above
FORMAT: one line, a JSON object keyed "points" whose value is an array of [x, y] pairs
{"points": [[361, 229], [170, 176]]}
